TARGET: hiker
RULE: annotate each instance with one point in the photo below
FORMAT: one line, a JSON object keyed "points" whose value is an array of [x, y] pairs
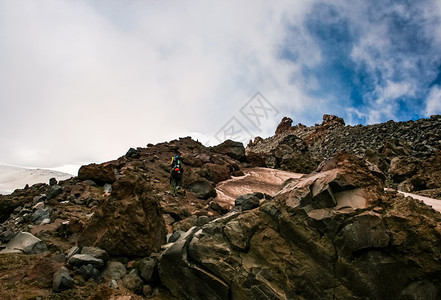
{"points": [[176, 173]]}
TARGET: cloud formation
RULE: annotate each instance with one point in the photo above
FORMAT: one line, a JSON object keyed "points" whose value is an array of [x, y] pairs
{"points": [[82, 81]]}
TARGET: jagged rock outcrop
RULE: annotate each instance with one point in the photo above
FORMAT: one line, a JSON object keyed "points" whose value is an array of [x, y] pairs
{"points": [[284, 125], [397, 149], [285, 152], [331, 235]]}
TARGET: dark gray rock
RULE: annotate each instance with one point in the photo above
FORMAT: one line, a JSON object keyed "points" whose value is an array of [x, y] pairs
{"points": [[53, 181], [79, 260], [6, 236], [148, 270], [248, 201], [133, 282], [175, 236], [203, 189], [89, 272], [41, 215], [95, 252], [26, 243], [133, 153], [62, 280], [233, 149], [53, 192]]}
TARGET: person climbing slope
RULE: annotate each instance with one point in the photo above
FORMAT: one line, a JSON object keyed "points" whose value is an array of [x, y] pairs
{"points": [[176, 174]]}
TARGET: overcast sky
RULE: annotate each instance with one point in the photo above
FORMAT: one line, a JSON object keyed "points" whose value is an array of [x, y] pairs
{"points": [[83, 81]]}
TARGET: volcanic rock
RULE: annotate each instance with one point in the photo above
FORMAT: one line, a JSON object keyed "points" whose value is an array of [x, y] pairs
{"points": [[284, 151], [95, 252], [89, 272], [54, 191], [62, 280], [129, 221], [133, 282], [203, 189], [101, 174], [233, 149], [284, 125], [289, 249], [248, 201], [25, 242], [148, 269], [79, 260], [332, 121]]}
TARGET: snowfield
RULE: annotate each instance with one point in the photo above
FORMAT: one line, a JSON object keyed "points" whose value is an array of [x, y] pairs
{"points": [[12, 178]]}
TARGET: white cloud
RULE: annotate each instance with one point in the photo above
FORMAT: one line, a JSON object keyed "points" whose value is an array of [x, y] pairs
{"points": [[433, 105], [83, 82]]}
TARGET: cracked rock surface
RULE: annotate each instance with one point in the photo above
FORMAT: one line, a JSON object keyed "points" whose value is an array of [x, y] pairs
{"points": [[383, 247]]}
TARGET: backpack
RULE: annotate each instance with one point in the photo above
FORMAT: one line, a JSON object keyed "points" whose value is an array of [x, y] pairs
{"points": [[176, 166]]}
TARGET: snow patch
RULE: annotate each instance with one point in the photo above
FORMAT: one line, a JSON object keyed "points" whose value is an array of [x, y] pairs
{"points": [[12, 178]]}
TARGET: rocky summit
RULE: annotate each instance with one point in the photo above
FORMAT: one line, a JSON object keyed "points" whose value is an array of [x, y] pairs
{"points": [[310, 213]]}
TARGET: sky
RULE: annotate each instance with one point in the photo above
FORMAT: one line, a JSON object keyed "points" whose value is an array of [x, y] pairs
{"points": [[83, 81]]}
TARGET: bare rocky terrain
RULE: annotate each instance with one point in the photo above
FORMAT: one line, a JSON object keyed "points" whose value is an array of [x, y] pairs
{"points": [[300, 215]]}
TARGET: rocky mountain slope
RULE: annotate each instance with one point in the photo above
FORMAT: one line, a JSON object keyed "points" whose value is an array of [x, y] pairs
{"points": [[116, 231], [407, 153]]}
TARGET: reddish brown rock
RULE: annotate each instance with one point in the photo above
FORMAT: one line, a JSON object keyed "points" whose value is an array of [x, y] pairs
{"points": [[101, 174], [387, 248], [129, 223], [284, 125], [332, 121], [429, 174]]}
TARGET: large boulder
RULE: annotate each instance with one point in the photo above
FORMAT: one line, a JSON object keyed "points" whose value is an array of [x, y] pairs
{"points": [[99, 173], [203, 189], [25, 242], [231, 148], [129, 222]]}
